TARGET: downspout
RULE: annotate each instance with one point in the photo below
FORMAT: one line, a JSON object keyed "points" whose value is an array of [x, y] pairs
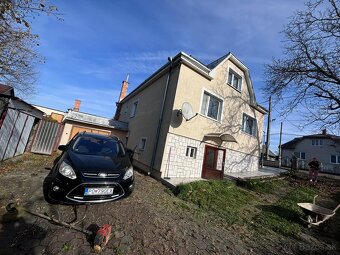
{"points": [[161, 117]]}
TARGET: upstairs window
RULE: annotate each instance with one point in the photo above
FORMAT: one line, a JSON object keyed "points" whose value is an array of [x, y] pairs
{"points": [[249, 125], [211, 106], [234, 79], [317, 142], [134, 109]]}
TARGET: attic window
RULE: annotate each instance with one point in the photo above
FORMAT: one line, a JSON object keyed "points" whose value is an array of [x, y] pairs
{"points": [[234, 79], [317, 142]]}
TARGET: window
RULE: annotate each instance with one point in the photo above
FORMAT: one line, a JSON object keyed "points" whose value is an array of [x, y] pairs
{"points": [[134, 109], [317, 142], [211, 106], [98, 146], [191, 152], [300, 155], [335, 159], [142, 144], [249, 125], [234, 80]]}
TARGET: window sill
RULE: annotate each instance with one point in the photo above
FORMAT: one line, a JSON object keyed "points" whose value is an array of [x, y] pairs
{"points": [[209, 118], [238, 90], [245, 133]]}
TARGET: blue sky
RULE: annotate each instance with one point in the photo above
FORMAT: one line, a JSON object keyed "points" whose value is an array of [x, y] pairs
{"points": [[89, 53]]}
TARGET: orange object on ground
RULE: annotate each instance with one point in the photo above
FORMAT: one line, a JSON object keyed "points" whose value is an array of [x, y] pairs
{"points": [[102, 237]]}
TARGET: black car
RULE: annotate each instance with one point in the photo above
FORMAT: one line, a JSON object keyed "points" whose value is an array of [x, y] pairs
{"points": [[91, 169]]}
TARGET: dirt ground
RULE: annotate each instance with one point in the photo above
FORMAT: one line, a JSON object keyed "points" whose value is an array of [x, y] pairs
{"points": [[151, 221]]}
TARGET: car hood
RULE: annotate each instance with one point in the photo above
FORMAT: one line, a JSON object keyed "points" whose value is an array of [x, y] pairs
{"points": [[94, 163]]}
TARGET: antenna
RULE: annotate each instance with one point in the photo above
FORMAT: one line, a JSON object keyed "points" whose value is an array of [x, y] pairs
{"points": [[186, 111]]}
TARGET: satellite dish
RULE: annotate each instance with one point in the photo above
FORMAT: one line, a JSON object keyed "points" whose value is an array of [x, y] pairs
{"points": [[187, 112]]}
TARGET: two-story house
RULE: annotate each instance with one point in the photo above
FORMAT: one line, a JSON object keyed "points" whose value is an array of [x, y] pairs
{"points": [[222, 134], [324, 147]]}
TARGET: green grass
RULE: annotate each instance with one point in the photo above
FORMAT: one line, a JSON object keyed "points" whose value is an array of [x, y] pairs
{"points": [[264, 186], [284, 216], [66, 247], [223, 198], [237, 205]]}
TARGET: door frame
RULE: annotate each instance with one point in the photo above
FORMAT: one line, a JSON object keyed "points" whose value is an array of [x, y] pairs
{"points": [[216, 149]]}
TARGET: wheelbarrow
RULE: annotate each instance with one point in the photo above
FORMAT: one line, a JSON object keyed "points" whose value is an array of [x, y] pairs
{"points": [[315, 214]]}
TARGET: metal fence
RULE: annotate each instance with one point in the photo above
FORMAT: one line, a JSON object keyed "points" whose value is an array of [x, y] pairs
{"points": [[47, 137], [303, 164], [14, 133]]}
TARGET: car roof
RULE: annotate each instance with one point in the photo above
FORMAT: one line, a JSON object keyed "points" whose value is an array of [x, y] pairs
{"points": [[86, 134]]}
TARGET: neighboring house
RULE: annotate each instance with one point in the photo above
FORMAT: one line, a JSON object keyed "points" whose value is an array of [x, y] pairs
{"points": [[17, 119], [75, 121], [271, 155], [53, 114], [224, 133], [324, 147]]}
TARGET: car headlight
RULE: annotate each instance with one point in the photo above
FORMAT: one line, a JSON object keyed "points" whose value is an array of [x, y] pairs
{"points": [[128, 174], [66, 170]]}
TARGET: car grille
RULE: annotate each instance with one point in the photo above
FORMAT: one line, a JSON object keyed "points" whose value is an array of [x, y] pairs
{"points": [[77, 194], [97, 175]]}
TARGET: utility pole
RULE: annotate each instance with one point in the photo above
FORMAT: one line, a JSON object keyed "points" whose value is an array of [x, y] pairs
{"points": [[280, 151], [262, 144], [268, 127]]}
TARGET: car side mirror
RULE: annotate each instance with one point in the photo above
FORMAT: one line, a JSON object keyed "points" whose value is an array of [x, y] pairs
{"points": [[62, 147], [130, 153]]}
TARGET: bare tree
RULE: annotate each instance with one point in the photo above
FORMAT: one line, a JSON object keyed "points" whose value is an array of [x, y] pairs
{"points": [[18, 45], [308, 74]]}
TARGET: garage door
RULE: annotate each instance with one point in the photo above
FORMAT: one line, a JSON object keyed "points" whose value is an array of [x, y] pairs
{"points": [[77, 129]]}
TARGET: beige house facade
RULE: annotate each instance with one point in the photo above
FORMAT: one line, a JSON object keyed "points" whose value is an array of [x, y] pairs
{"points": [[193, 120]]}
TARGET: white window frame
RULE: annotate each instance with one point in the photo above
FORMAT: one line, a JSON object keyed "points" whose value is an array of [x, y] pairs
{"points": [[317, 142], [134, 108], [337, 159], [243, 125], [233, 73], [300, 154], [140, 143], [206, 91], [189, 150]]}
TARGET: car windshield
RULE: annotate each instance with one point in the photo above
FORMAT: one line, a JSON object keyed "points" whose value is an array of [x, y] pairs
{"points": [[98, 146]]}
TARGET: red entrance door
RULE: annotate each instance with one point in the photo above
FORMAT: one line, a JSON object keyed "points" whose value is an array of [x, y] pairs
{"points": [[213, 163]]}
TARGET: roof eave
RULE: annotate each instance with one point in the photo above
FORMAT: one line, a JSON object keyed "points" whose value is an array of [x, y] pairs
{"points": [[179, 58]]}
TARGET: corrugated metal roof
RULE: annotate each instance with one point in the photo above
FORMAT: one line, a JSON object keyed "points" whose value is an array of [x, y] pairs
{"points": [[95, 120]]}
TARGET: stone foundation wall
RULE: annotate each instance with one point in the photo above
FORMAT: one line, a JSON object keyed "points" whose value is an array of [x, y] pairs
{"points": [[176, 164], [236, 162]]}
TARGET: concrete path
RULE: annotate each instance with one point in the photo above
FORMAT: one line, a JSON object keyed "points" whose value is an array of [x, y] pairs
{"points": [[264, 172]]}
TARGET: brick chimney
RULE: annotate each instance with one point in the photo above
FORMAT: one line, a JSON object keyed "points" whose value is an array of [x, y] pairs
{"points": [[76, 106], [124, 88], [324, 131], [123, 92]]}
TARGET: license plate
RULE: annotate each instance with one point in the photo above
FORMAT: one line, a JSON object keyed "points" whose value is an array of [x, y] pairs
{"points": [[98, 191]]}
